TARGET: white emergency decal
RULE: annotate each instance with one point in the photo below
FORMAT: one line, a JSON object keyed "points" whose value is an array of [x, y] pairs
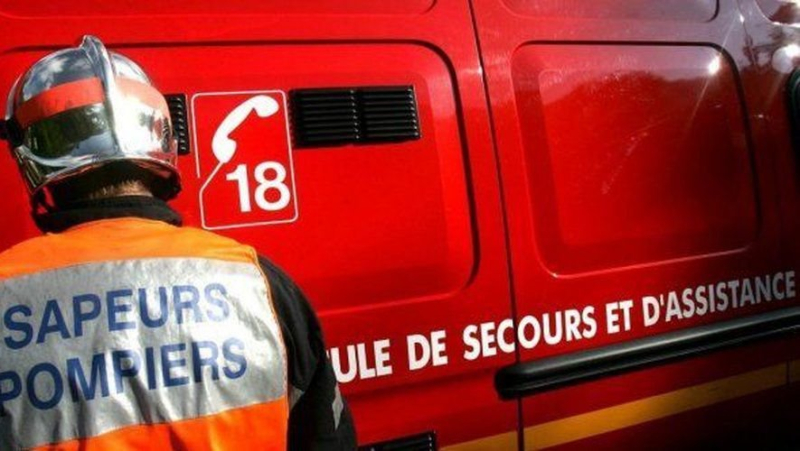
{"points": [[93, 348], [244, 159]]}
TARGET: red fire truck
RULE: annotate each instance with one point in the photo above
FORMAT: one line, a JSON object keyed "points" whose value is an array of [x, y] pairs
{"points": [[524, 223]]}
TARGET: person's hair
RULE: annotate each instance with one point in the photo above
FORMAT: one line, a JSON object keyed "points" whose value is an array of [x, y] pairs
{"points": [[112, 180], [124, 188]]}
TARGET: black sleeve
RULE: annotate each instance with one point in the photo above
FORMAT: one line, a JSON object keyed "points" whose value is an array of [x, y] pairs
{"points": [[319, 417]]}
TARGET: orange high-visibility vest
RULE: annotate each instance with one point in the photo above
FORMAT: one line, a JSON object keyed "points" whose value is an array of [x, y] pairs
{"points": [[135, 334]]}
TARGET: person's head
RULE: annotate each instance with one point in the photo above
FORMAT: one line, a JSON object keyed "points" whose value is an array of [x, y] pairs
{"points": [[87, 123]]}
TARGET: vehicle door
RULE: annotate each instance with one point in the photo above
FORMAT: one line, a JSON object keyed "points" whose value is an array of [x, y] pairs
{"points": [[640, 185]]}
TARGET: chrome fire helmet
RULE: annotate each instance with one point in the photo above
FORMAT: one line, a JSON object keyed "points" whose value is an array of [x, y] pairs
{"points": [[83, 109]]}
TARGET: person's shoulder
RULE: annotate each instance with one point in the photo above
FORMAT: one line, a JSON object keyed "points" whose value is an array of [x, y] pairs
{"points": [[207, 235], [279, 278], [22, 247], [271, 268], [205, 239], [288, 298], [24, 256]]}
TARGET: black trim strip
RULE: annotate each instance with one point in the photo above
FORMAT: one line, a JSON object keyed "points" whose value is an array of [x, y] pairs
{"points": [[421, 442], [528, 378], [793, 101]]}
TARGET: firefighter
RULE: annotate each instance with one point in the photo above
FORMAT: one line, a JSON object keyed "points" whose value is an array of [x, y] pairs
{"points": [[120, 328]]}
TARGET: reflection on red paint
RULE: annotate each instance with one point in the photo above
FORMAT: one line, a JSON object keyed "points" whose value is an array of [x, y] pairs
{"points": [[635, 154], [783, 11], [683, 10]]}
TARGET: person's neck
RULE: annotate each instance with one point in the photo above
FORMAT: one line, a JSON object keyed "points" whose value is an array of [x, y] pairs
{"points": [[87, 210]]}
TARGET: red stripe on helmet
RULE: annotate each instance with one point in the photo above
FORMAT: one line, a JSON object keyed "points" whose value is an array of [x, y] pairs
{"points": [[82, 93], [59, 99]]}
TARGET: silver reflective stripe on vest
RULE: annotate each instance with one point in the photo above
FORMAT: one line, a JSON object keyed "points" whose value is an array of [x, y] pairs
{"points": [[89, 349]]}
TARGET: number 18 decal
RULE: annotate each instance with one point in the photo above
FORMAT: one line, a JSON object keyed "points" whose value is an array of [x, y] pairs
{"points": [[244, 159]]}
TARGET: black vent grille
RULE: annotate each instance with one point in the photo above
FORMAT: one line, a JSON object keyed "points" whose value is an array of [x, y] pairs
{"points": [[422, 442], [177, 111], [328, 117], [388, 114], [325, 117]]}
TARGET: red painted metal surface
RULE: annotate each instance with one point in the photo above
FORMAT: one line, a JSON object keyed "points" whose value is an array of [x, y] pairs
{"points": [[391, 240], [645, 143], [634, 148], [633, 164], [666, 10], [772, 54], [99, 8]]}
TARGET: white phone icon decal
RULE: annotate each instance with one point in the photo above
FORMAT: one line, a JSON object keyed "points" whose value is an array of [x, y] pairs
{"points": [[256, 187], [222, 145], [224, 148]]}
